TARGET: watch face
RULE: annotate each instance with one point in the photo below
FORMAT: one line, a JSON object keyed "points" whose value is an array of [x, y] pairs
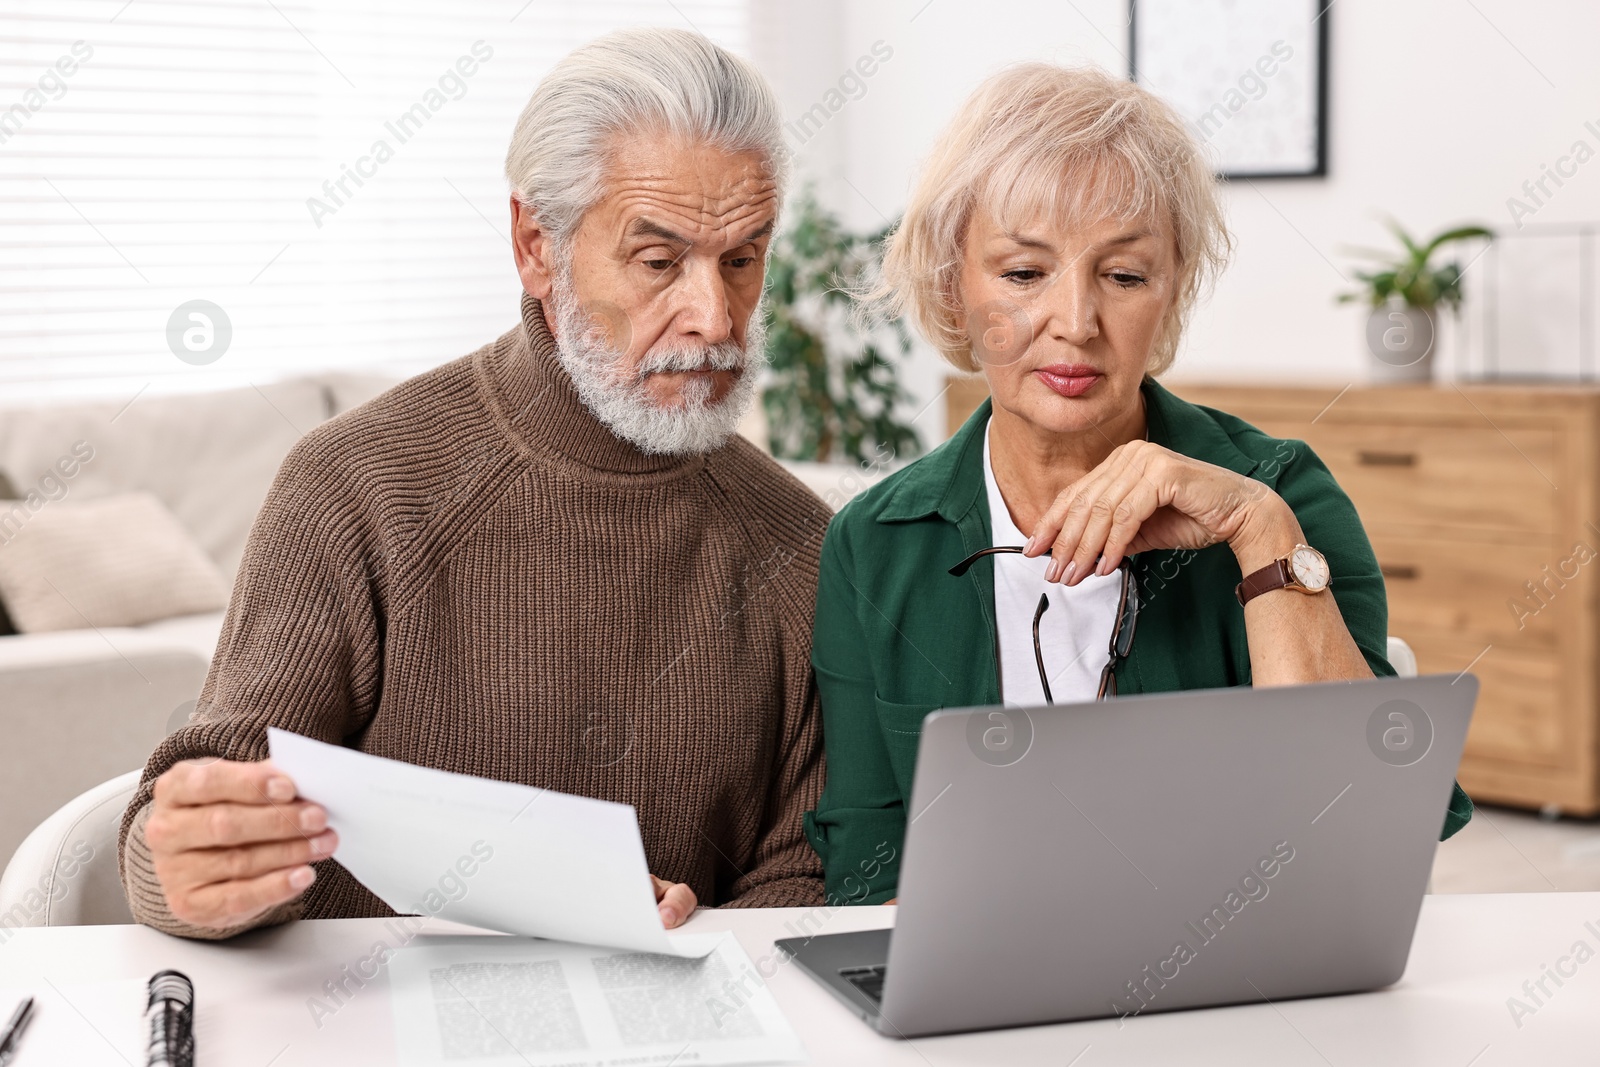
{"points": [[1310, 569]]}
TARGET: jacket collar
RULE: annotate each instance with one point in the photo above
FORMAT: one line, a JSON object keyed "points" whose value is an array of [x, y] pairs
{"points": [[948, 481]]}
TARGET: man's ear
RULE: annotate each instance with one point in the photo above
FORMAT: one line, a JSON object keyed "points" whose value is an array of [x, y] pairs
{"points": [[531, 245]]}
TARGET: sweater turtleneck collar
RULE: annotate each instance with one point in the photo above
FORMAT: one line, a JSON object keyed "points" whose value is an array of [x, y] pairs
{"points": [[542, 408]]}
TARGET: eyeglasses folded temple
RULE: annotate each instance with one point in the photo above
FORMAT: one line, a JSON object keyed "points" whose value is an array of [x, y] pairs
{"points": [[1121, 633]]}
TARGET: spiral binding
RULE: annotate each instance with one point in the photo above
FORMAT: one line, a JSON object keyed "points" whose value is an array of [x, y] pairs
{"points": [[169, 1014]]}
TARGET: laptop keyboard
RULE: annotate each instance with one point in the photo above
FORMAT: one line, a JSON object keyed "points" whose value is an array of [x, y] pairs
{"points": [[867, 979]]}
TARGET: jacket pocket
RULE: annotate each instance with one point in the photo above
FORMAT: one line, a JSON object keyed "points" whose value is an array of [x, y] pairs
{"points": [[901, 725]]}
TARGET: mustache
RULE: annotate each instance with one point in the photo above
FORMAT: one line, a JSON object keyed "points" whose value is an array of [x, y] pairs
{"points": [[725, 355]]}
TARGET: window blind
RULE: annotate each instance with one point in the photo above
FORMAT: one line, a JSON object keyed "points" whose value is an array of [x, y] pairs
{"points": [[318, 185]]}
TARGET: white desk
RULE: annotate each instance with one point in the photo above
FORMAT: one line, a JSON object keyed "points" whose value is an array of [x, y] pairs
{"points": [[1471, 953]]}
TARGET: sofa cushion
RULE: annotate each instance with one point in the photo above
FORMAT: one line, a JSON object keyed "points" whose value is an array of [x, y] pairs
{"points": [[8, 491], [116, 561], [210, 457], [350, 389], [194, 633], [71, 722], [68, 648]]}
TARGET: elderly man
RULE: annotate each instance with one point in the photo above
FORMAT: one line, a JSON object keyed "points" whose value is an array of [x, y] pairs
{"points": [[550, 561]]}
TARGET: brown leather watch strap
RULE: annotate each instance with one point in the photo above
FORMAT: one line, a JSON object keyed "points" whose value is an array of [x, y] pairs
{"points": [[1274, 575]]}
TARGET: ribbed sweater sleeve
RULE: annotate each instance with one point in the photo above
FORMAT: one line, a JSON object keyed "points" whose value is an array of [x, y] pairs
{"points": [[785, 529], [787, 871], [299, 650]]}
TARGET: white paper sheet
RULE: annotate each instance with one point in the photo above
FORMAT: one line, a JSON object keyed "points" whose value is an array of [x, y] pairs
{"points": [[511, 1002], [492, 854]]}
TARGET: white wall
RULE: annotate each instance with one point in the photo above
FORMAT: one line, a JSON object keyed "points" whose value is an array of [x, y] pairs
{"points": [[1439, 111], [255, 156]]}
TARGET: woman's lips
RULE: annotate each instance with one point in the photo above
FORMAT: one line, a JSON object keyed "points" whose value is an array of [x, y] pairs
{"points": [[1069, 379]]}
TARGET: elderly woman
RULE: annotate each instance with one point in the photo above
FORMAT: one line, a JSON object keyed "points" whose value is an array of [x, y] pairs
{"points": [[1056, 242]]}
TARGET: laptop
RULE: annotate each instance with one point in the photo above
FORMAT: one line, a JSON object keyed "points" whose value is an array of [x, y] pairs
{"points": [[1158, 852]]}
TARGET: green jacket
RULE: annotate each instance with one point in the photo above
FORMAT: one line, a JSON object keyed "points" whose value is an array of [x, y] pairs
{"points": [[896, 637]]}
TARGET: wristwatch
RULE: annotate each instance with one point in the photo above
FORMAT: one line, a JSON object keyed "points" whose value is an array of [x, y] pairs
{"points": [[1304, 570]]}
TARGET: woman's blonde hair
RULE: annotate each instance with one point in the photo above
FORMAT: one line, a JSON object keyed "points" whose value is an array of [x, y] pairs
{"points": [[1075, 143]]}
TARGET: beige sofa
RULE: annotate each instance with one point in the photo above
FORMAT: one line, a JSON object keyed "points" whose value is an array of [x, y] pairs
{"points": [[78, 707]]}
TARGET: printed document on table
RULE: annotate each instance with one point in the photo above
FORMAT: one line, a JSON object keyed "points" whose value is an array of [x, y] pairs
{"points": [[510, 1002], [493, 854]]}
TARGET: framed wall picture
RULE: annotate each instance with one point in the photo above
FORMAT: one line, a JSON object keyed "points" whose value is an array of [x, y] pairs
{"points": [[1249, 76]]}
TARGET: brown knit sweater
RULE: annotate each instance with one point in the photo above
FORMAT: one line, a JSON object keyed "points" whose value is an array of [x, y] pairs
{"points": [[473, 573]]}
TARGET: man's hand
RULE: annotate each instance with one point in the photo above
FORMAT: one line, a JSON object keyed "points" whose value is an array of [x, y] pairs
{"points": [[229, 840], [676, 900]]}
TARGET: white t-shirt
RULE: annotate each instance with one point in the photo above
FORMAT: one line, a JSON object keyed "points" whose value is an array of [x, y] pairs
{"points": [[1073, 634]]}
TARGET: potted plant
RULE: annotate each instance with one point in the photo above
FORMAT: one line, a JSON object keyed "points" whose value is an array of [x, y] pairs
{"points": [[1404, 294], [833, 389]]}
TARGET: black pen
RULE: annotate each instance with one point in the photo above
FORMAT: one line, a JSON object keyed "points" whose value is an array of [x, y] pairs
{"points": [[13, 1031]]}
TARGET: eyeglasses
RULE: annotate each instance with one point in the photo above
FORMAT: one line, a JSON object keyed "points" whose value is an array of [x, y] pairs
{"points": [[1121, 633]]}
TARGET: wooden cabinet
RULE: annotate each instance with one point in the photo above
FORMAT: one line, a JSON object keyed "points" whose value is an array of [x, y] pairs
{"points": [[1481, 503]]}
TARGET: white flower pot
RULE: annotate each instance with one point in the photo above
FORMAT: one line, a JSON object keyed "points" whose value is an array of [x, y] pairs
{"points": [[1401, 340]]}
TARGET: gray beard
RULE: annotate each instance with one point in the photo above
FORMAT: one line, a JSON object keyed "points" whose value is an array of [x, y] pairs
{"points": [[623, 402]]}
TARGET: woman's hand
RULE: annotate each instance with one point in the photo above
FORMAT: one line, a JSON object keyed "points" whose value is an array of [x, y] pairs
{"points": [[1147, 497], [1144, 496], [674, 900]]}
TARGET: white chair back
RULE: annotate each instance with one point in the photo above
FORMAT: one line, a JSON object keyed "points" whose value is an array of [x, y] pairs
{"points": [[65, 872], [1402, 659]]}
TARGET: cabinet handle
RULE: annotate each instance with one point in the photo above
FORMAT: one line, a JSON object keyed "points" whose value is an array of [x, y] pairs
{"points": [[1387, 459], [1404, 571]]}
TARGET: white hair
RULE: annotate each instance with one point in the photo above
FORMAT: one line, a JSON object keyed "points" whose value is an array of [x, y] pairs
{"points": [[647, 80], [622, 401], [1074, 144]]}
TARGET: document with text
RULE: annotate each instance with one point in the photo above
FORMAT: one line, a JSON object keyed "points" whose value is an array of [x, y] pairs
{"points": [[510, 1002], [493, 854]]}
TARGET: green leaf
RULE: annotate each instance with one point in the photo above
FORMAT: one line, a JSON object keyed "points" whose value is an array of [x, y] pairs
{"points": [[1405, 238], [832, 392], [1460, 233], [1409, 275]]}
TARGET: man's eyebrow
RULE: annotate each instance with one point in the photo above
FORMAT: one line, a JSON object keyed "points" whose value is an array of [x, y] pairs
{"points": [[646, 228], [765, 230]]}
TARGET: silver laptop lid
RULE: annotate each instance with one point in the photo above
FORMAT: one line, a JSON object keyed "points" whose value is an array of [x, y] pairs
{"points": [[1169, 851]]}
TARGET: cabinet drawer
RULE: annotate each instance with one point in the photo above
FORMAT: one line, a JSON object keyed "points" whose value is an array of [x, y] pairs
{"points": [[1519, 717], [1441, 475], [1466, 591]]}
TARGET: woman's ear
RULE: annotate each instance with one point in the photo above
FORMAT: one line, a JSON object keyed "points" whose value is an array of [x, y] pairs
{"points": [[531, 247]]}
